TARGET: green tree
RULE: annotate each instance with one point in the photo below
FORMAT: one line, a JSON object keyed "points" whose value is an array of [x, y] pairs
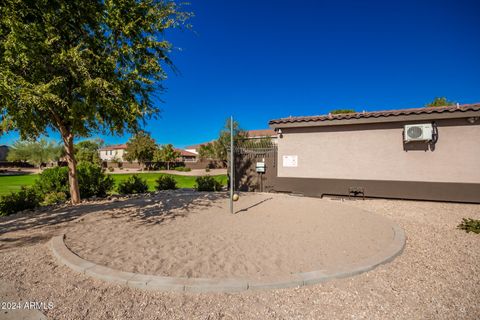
{"points": [[218, 149], [207, 151], [166, 153], [440, 102], [35, 152], [20, 151], [80, 67], [141, 147], [87, 151], [341, 111], [223, 142]]}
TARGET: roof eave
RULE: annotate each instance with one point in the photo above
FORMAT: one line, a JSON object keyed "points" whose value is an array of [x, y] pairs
{"points": [[384, 119]]}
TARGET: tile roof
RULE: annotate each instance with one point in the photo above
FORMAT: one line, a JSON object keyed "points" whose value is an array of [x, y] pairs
{"points": [[379, 114], [185, 153], [196, 146], [261, 133], [114, 147]]}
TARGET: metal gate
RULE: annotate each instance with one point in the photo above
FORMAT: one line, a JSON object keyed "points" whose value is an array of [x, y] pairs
{"points": [[255, 165]]}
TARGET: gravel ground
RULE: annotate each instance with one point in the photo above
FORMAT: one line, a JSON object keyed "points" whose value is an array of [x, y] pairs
{"points": [[436, 277]]}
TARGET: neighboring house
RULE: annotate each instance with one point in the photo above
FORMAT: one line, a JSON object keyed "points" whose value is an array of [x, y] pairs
{"points": [[3, 153], [187, 156], [262, 134], [382, 154], [114, 152], [117, 152], [196, 147]]}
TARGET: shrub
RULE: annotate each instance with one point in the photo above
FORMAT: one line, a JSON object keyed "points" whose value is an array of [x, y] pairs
{"points": [[207, 169], [53, 180], [133, 184], [92, 181], [470, 225], [166, 183], [26, 198], [110, 169], [54, 198], [183, 169], [207, 183]]}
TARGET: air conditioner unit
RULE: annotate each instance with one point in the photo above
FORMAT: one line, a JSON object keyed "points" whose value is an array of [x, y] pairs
{"points": [[418, 132]]}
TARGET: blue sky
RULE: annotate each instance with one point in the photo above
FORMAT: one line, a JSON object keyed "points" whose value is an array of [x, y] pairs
{"points": [[260, 60]]}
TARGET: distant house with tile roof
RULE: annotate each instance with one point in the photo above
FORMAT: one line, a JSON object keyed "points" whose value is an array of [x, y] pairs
{"points": [[194, 148], [187, 156], [113, 152], [262, 133], [117, 153]]}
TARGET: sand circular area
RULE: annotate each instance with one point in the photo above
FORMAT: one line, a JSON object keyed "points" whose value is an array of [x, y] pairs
{"points": [[188, 234]]}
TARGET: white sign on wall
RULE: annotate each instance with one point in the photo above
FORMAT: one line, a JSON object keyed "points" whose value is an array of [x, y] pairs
{"points": [[260, 167], [290, 161]]}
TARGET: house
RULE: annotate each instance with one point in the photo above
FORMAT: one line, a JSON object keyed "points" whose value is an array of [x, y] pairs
{"points": [[187, 156], [117, 153], [262, 134], [195, 148], [113, 153], [425, 153]]}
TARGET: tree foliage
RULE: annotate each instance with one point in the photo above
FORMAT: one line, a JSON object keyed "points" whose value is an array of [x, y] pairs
{"points": [[209, 150], [166, 153], [35, 152], [87, 151], [440, 102], [141, 147], [218, 149], [80, 67], [341, 111]]}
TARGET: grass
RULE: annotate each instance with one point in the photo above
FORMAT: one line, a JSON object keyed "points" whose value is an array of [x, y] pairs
{"points": [[10, 184], [13, 183]]}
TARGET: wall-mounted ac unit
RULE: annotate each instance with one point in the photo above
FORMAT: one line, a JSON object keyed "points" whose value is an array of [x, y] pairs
{"points": [[418, 132]]}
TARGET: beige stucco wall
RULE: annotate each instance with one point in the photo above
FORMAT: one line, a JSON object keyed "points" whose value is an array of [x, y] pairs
{"points": [[376, 152], [107, 155]]}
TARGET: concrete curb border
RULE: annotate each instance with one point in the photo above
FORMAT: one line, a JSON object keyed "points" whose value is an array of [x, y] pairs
{"points": [[199, 285]]}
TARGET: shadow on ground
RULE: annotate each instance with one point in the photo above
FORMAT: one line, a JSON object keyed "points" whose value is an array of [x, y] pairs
{"points": [[39, 226], [253, 205]]}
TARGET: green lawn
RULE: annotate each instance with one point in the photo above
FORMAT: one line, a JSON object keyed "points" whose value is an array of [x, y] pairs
{"points": [[13, 183]]}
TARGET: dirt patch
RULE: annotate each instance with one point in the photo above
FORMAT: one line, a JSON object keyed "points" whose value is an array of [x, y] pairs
{"points": [[270, 236]]}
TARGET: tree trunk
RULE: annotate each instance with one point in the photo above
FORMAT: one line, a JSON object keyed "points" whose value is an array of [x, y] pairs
{"points": [[168, 165], [72, 168]]}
